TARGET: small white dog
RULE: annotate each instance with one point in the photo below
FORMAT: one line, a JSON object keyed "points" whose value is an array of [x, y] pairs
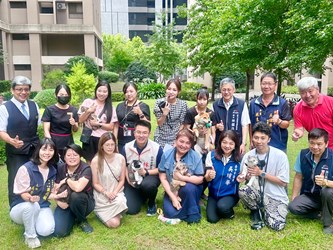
{"points": [[250, 162]]}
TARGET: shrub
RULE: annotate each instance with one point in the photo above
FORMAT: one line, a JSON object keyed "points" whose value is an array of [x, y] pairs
{"points": [[53, 78], [136, 71], [45, 98], [90, 65], [7, 95], [108, 76], [4, 86], [191, 86], [151, 90], [81, 83], [289, 89], [117, 96], [188, 94], [330, 91]]}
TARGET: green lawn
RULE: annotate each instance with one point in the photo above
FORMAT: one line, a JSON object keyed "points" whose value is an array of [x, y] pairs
{"points": [[142, 232]]}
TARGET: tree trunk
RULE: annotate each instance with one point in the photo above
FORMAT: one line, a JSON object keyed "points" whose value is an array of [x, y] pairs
{"points": [[248, 81], [279, 77], [213, 87]]}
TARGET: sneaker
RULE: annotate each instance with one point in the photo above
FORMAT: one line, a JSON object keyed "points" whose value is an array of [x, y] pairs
{"points": [[85, 226], [151, 211], [328, 230], [168, 220], [32, 242]]}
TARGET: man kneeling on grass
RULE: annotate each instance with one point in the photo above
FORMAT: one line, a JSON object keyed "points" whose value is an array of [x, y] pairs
{"points": [[313, 185], [268, 200]]}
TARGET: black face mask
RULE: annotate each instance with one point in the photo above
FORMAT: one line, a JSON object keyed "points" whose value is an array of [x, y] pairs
{"points": [[63, 100]]}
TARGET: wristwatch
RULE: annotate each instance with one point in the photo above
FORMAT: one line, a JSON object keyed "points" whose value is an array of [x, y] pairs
{"points": [[147, 173], [263, 174], [142, 116]]}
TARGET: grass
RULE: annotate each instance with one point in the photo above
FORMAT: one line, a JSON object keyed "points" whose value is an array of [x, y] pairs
{"points": [[142, 232]]}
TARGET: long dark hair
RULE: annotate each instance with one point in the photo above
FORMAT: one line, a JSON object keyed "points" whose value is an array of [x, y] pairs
{"points": [[46, 142], [108, 102], [232, 135]]}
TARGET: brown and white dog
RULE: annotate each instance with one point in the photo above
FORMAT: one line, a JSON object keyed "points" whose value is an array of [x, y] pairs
{"points": [[203, 142], [176, 184]]}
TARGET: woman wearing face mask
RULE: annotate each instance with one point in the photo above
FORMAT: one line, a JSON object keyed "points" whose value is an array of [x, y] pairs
{"points": [[61, 119]]}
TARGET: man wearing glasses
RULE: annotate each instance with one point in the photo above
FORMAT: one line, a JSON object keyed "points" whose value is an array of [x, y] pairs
{"points": [[231, 113], [273, 110], [149, 154], [19, 119]]}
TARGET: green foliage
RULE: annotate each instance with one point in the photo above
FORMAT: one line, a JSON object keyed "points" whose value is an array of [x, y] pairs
{"points": [[45, 98], [288, 89], [53, 78], [163, 54], [151, 90], [81, 83], [108, 76], [188, 94], [5, 86], [117, 96], [119, 52], [136, 72], [239, 77], [90, 65], [191, 86], [330, 91], [2, 152]]}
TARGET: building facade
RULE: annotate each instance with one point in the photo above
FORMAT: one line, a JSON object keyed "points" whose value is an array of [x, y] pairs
{"points": [[135, 17], [43, 34]]}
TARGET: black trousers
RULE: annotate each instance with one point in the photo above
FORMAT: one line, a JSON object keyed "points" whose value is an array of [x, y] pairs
{"points": [[220, 208], [80, 206], [327, 206], [136, 197], [14, 162]]}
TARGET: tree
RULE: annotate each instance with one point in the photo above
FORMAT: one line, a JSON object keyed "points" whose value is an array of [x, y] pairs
{"points": [[136, 71], [163, 54], [258, 34], [81, 83], [53, 78], [119, 52], [90, 65]]}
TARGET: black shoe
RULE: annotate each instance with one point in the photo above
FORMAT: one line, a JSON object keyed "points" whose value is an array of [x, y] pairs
{"points": [[256, 220], [85, 226]]}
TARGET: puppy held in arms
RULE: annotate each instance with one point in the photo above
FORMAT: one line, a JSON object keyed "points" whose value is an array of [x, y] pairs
{"points": [[133, 175], [176, 184], [203, 140], [251, 162]]}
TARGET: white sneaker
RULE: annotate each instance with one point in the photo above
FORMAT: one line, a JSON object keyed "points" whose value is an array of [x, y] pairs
{"points": [[32, 242]]}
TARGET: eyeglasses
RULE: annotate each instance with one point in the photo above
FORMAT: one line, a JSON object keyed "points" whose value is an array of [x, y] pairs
{"points": [[267, 84], [22, 89]]}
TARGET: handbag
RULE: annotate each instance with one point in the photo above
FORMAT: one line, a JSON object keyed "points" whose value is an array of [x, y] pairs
{"points": [[85, 136]]}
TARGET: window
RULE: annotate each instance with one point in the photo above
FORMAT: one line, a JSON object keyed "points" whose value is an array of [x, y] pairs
{"points": [[22, 67], [18, 5], [75, 10], [20, 36], [46, 7]]}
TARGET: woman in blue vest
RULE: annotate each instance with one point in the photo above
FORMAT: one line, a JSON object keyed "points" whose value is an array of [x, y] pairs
{"points": [[32, 189], [223, 167]]}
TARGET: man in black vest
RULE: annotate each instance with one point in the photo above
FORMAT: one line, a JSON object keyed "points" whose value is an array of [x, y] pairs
{"points": [[313, 182], [231, 113], [19, 119]]}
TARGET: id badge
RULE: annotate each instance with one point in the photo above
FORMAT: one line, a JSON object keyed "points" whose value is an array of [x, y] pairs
{"points": [[127, 132]]}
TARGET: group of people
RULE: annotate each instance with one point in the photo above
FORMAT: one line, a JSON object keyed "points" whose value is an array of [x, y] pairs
{"points": [[123, 168]]}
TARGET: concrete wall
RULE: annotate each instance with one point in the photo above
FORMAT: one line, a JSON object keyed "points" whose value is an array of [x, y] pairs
{"points": [[114, 16]]}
